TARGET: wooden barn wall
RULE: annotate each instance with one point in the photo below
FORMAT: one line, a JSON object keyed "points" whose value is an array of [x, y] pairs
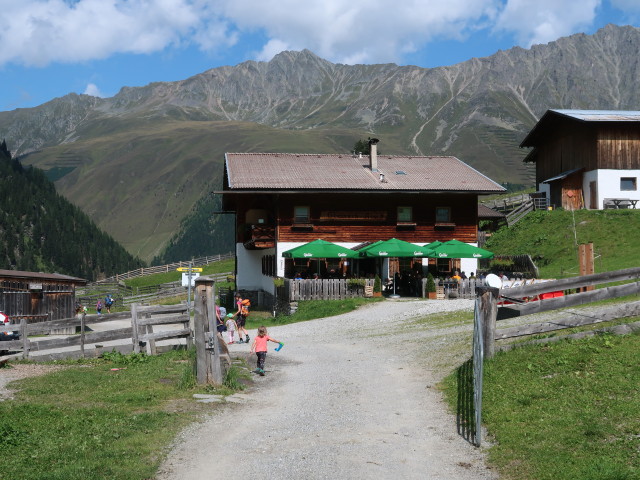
{"points": [[567, 147], [618, 147], [54, 301], [464, 210]]}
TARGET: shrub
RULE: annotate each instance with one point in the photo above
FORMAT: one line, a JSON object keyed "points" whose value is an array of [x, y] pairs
{"points": [[431, 284]]}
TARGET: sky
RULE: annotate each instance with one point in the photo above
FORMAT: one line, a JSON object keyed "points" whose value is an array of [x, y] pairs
{"points": [[49, 48]]}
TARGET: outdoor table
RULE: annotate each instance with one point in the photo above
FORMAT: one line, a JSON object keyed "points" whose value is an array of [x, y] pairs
{"points": [[624, 202]]}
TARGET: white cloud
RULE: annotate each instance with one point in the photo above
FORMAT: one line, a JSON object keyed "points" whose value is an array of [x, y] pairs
{"points": [[44, 31], [628, 6], [349, 31], [41, 32], [541, 21], [93, 90]]}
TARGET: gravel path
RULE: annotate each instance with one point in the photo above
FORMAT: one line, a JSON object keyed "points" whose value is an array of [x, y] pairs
{"points": [[349, 397]]}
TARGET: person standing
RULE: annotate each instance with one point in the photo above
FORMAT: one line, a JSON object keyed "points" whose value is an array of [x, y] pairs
{"points": [[99, 307], [108, 301], [259, 346], [241, 318], [231, 328]]}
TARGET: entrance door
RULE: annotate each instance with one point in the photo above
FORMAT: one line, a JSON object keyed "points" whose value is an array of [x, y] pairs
{"points": [[593, 196]]}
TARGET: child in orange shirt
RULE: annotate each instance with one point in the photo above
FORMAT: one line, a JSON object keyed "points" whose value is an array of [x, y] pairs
{"points": [[259, 346]]}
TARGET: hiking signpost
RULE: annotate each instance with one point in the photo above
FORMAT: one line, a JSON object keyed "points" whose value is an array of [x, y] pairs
{"points": [[192, 273]]}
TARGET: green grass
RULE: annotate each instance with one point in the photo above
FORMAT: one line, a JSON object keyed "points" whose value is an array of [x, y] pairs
{"points": [[223, 266], [88, 421], [309, 310], [551, 238], [567, 410]]}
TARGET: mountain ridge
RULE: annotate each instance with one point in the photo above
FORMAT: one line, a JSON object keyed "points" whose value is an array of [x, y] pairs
{"points": [[478, 110]]}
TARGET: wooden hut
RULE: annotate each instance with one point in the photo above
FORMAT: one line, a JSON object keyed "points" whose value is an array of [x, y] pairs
{"points": [[38, 296]]}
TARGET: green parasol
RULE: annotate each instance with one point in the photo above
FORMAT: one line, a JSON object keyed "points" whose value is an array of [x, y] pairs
{"points": [[457, 249], [394, 248], [320, 249]]}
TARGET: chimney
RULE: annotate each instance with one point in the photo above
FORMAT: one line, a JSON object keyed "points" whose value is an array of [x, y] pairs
{"points": [[373, 154]]}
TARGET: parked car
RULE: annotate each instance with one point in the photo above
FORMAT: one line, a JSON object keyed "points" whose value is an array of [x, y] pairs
{"points": [[6, 320]]}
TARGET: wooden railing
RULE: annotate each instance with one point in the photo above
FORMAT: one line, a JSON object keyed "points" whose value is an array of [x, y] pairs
{"points": [[140, 334], [529, 299], [140, 272], [325, 289]]}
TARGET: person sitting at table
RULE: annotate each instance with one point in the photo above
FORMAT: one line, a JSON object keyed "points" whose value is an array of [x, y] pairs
{"points": [[456, 276]]}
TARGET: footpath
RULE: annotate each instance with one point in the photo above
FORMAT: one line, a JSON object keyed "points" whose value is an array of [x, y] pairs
{"points": [[350, 397]]}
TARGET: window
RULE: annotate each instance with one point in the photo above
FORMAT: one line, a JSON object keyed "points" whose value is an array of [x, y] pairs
{"points": [[405, 214], [443, 214], [301, 215], [628, 183]]}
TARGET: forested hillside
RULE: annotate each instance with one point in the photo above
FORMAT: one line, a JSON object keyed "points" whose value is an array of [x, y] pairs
{"points": [[202, 232], [41, 231]]}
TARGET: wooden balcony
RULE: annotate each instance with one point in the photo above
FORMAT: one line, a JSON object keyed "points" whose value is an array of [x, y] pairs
{"points": [[260, 237]]}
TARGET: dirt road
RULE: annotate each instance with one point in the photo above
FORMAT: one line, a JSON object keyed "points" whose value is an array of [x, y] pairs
{"points": [[349, 397]]}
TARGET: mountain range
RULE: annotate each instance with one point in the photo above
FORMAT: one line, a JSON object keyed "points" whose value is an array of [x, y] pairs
{"points": [[139, 162]]}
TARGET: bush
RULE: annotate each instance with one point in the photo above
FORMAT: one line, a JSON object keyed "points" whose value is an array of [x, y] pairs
{"points": [[431, 284], [377, 284]]}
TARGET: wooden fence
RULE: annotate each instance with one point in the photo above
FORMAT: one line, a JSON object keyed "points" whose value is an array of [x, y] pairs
{"points": [[140, 272], [552, 295], [125, 296], [325, 289], [140, 333]]}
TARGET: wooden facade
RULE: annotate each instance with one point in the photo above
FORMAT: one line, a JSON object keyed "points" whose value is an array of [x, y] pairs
{"points": [[37, 296], [571, 143], [353, 217]]}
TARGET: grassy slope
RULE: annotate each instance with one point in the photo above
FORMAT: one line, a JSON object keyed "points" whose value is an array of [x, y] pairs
{"points": [[138, 182], [551, 238]]}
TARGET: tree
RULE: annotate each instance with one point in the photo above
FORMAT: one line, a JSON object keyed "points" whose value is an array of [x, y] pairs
{"points": [[362, 146]]}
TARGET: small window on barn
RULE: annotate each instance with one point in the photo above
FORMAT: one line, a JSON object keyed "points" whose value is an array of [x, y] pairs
{"points": [[301, 215], [405, 214], [628, 184], [443, 214]]}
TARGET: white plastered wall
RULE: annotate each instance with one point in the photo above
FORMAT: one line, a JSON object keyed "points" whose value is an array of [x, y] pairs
{"points": [[608, 185], [249, 276]]}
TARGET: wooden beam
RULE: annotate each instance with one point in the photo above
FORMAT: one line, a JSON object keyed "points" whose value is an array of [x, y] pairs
{"points": [[568, 300], [571, 320]]}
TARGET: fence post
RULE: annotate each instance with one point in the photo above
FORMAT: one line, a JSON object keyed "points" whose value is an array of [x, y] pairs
{"points": [[25, 339], [208, 369], [134, 328], [488, 312], [82, 328]]}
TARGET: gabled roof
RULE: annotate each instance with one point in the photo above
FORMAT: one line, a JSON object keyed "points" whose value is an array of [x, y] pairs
{"points": [[40, 276], [592, 116], [287, 171]]}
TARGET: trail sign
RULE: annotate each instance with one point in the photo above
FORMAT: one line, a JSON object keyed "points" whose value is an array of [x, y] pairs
{"points": [[186, 269]]}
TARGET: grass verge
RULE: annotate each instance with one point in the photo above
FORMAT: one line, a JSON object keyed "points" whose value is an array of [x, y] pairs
{"points": [[90, 421], [567, 410], [309, 310]]}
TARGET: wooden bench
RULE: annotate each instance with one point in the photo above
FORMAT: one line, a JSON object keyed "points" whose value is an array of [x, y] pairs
{"points": [[619, 203]]}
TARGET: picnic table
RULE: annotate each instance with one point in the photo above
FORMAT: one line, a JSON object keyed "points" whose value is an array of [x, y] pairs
{"points": [[620, 203]]}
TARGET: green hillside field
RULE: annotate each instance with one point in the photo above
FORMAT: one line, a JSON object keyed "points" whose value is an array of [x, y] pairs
{"points": [[552, 239]]}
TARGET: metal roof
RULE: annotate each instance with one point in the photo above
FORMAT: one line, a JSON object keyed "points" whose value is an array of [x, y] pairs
{"points": [[562, 176], [601, 115], [286, 171], [551, 117]]}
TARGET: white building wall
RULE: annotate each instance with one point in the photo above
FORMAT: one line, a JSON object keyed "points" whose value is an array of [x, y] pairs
{"points": [[608, 185], [249, 276]]}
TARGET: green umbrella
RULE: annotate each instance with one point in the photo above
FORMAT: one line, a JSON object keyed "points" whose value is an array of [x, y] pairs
{"points": [[320, 249], [394, 248], [433, 245], [457, 249]]}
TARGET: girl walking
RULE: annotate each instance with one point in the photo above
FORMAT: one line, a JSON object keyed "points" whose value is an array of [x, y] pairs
{"points": [[259, 346], [231, 328]]}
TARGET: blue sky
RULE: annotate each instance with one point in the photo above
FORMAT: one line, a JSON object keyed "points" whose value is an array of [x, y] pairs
{"points": [[49, 48]]}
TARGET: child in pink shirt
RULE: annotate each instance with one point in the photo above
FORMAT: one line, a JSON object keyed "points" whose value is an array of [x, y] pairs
{"points": [[259, 346]]}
